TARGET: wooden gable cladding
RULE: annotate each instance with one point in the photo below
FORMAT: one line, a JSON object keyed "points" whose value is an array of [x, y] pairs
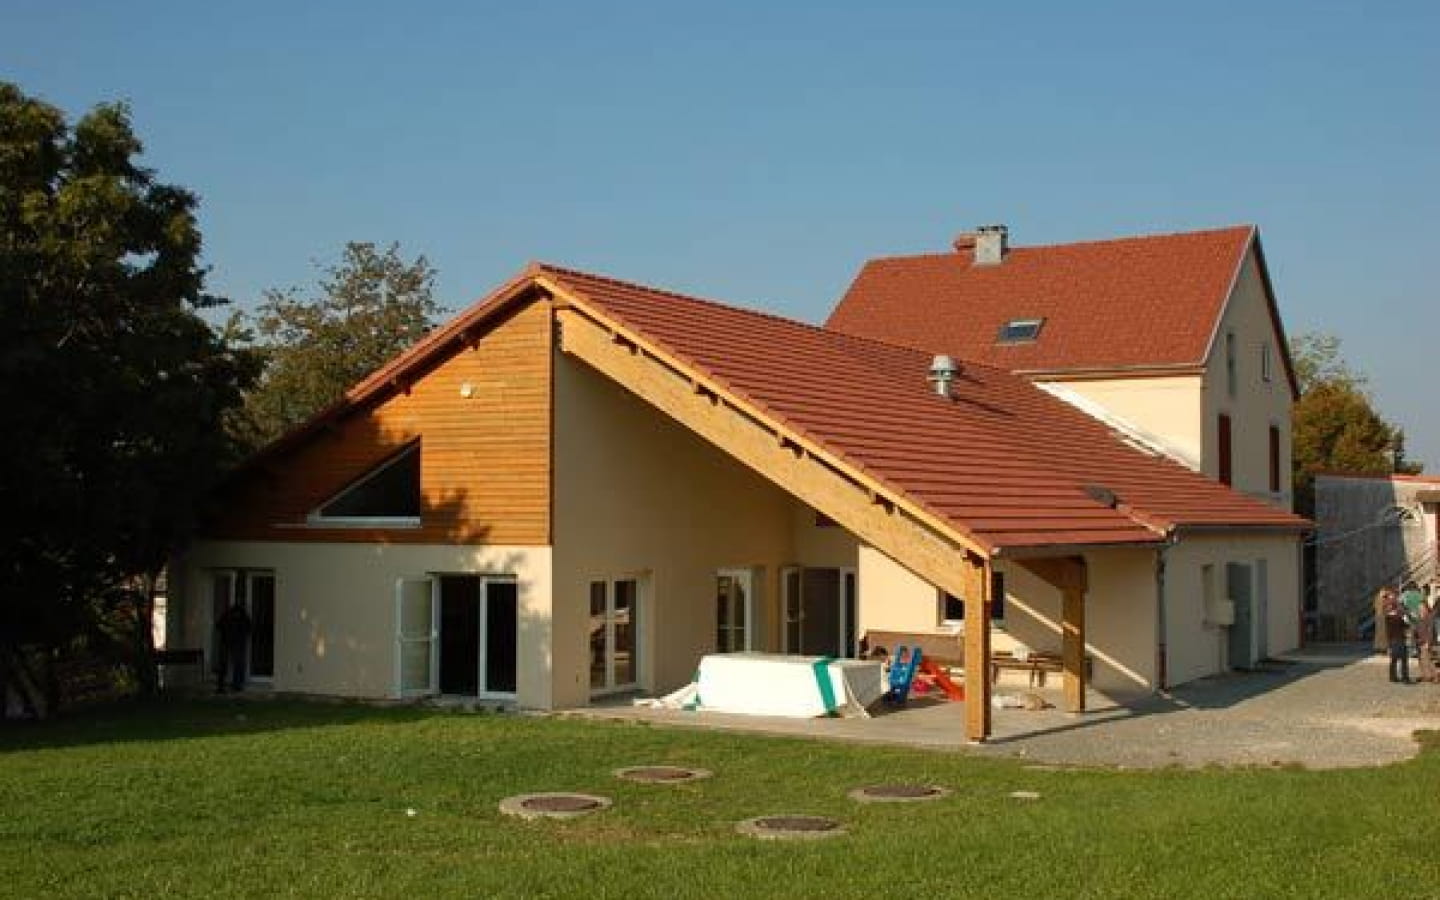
{"points": [[484, 458]]}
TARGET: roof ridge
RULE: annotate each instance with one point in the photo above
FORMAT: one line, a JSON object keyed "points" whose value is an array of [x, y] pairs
{"points": [[1126, 239], [842, 336]]}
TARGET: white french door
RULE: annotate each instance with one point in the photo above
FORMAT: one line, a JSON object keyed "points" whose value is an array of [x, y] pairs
{"points": [[614, 635], [254, 591], [820, 611], [734, 610], [417, 662]]}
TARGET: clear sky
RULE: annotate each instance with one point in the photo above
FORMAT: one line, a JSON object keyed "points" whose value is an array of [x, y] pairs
{"points": [[759, 152]]}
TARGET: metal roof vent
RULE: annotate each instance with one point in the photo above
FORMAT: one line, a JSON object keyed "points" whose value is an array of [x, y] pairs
{"points": [[943, 370], [1102, 495]]}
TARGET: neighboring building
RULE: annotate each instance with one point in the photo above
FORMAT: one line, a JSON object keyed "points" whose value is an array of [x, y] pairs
{"points": [[1174, 338], [1370, 531], [579, 486]]}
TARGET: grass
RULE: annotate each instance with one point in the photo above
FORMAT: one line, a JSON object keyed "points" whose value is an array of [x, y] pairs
{"points": [[271, 799]]}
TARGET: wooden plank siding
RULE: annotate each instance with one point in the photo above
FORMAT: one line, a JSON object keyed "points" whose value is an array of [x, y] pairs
{"points": [[484, 460]]}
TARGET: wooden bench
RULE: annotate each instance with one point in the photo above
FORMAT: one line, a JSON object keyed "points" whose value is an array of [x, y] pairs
{"points": [[942, 649], [949, 650]]}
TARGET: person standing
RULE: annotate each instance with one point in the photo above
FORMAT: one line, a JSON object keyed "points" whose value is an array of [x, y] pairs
{"points": [[234, 628], [1425, 638], [1396, 631]]}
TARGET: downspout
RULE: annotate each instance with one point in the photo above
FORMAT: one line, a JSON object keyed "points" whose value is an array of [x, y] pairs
{"points": [[1161, 629]]}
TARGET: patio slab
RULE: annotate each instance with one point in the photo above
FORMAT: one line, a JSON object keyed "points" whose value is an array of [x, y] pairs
{"points": [[1323, 707]]}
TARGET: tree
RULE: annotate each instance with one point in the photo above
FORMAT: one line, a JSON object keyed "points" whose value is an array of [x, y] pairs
{"points": [[114, 386], [1335, 426], [369, 308]]}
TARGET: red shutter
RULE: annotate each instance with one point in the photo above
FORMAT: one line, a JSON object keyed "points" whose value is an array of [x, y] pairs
{"points": [[1224, 438], [1274, 460]]}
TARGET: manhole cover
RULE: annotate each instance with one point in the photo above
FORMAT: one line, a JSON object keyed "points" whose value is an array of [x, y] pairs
{"points": [[552, 805], [898, 793], [661, 774], [791, 827]]}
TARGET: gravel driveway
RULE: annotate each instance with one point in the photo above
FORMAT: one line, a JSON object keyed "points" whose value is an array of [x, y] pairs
{"points": [[1323, 707]]}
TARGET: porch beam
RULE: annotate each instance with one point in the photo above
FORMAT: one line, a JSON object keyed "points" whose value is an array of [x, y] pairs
{"points": [[1070, 576], [978, 688], [940, 558]]}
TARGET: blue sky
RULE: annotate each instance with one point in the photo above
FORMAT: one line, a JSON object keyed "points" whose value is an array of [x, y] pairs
{"points": [[758, 153]]}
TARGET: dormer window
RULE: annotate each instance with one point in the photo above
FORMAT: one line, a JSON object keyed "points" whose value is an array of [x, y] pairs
{"points": [[388, 496], [1019, 331]]}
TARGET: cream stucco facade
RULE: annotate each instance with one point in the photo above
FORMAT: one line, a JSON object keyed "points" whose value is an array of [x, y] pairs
{"points": [[638, 495], [336, 605]]}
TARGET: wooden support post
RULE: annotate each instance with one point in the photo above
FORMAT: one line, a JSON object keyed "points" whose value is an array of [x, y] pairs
{"points": [[977, 649], [1072, 647]]}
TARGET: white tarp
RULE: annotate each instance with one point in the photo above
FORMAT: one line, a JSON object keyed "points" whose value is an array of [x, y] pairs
{"points": [[775, 684]]}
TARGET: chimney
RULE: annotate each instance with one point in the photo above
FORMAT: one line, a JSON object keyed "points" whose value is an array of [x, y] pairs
{"points": [[992, 242], [943, 370], [965, 241]]}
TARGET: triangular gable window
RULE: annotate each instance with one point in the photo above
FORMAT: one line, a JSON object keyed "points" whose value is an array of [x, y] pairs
{"points": [[387, 495]]}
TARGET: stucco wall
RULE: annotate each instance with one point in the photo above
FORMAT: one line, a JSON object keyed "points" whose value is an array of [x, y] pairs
{"points": [[1256, 403], [1166, 407], [638, 494], [335, 628], [1197, 647]]}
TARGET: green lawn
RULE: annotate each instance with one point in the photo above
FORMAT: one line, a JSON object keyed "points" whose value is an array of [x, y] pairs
{"points": [[263, 799]]}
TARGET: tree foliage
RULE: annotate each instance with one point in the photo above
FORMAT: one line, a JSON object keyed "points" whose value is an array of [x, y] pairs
{"points": [[1335, 425], [114, 386], [369, 307]]}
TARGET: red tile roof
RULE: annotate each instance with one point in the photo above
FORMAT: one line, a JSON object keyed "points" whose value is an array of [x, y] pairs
{"points": [[1119, 304], [1003, 462]]}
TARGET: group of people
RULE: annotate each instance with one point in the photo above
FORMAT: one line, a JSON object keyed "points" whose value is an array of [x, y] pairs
{"points": [[1408, 616]]}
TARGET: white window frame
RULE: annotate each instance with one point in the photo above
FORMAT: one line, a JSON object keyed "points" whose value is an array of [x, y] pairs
{"points": [[640, 615], [237, 577], [847, 574], [316, 519], [432, 585], [746, 577]]}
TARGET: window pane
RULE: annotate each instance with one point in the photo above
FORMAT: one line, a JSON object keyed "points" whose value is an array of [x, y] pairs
{"points": [[392, 490], [262, 626], [415, 612], [626, 629], [597, 634], [952, 608], [415, 665]]}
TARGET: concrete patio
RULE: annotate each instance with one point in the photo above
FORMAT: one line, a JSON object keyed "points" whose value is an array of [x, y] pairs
{"points": [[1322, 707]]}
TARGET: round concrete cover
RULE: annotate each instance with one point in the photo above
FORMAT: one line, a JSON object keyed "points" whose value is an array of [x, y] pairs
{"points": [[791, 827], [898, 793], [555, 805], [661, 774]]}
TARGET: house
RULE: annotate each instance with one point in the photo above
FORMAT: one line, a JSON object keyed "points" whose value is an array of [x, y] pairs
{"points": [[1175, 339], [1370, 531], [579, 486]]}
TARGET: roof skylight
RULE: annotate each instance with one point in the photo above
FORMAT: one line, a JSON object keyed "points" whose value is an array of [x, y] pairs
{"points": [[1019, 331]]}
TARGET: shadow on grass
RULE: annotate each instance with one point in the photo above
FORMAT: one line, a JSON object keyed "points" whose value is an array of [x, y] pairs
{"points": [[179, 718]]}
